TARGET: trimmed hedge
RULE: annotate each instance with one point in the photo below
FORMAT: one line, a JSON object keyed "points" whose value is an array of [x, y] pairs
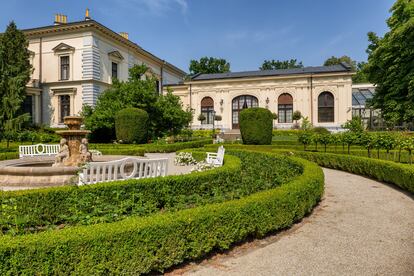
{"points": [[256, 125], [155, 243], [9, 155], [131, 125], [116, 149], [36, 210], [30, 211], [401, 175]]}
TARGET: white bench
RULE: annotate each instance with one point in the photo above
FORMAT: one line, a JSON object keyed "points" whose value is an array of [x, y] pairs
{"points": [[216, 159], [123, 169], [38, 150], [95, 152]]}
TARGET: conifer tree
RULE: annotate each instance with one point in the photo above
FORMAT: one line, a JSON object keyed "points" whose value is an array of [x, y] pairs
{"points": [[15, 70]]}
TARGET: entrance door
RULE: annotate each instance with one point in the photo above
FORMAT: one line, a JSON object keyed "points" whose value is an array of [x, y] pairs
{"points": [[238, 104]]}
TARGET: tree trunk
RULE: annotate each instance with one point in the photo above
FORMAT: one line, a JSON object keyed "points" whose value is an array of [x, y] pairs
{"points": [[369, 153], [325, 147], [349, 149]]}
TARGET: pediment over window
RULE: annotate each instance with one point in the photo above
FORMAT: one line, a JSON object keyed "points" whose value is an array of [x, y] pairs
{"points": [[115, 55], [63, 47]]}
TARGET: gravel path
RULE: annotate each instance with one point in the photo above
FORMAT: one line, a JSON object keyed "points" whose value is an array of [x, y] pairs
{"points": [[362, 227]]}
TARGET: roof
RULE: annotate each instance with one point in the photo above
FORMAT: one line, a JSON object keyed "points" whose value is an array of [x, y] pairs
{"points": [[94, 24], [343, 67], [360, 96]]}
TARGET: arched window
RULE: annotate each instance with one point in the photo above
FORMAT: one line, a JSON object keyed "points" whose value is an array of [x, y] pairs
{"points": [[207, 108], [238, 104], [285, 108], [326, 108]]}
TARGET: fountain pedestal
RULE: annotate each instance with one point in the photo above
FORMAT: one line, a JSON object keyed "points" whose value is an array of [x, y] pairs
{"points": [[73, 136]]}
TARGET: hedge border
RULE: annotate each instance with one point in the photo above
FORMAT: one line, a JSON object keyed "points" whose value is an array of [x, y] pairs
{"points": [[158, 242], [399, 174]]}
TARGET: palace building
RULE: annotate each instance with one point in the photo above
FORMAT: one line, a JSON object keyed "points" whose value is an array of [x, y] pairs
{"points": [[74, 62], [323, 94]]}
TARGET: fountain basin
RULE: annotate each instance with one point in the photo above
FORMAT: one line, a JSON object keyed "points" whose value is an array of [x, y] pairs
{"points": [[37, 172]]}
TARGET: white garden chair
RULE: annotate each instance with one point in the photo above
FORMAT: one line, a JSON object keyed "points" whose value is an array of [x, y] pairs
{"points": [[216, 159]]}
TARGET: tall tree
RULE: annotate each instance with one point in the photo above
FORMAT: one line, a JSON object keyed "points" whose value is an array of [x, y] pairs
{"points": [[15, 70], [391, 65], [360, 75], [209, 65], [280, 64], [165, 112], [337, 60]]}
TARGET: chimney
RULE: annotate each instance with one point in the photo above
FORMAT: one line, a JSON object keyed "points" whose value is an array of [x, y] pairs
{"points": [[87, 16], [124, 35], [60, 19]]}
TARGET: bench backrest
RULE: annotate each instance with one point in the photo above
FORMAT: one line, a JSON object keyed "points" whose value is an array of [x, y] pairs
{"points": [[38, 150], [220, 155], [123, 169]]}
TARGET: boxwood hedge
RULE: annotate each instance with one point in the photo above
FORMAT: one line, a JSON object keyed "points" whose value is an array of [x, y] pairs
{"points": [[143, 244], [37, 210], [399, 174]]}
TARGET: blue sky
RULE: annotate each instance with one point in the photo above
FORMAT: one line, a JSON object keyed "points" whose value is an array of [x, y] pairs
{"points": [[245, 32]]}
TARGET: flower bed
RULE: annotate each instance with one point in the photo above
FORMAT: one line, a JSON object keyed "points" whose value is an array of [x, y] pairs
{"points": [[153, 243]]}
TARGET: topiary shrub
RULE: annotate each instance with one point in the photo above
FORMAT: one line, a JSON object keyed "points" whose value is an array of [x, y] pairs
{"points": [[256, 125], [131, 125]]}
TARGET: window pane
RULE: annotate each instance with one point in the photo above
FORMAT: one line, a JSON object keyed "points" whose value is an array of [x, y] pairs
{"points": [[64, 106], [64, 68], [114, 70]]}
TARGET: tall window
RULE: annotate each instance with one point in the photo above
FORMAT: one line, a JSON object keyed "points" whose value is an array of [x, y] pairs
{"points": [[238, 104], [285, 108], [64, 105], [64, 67], [114, 70], [157, 86], [28, 105], [207, 108], [326, 108]]}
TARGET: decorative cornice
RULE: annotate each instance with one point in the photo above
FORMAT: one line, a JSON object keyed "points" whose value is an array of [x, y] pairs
{"points": [[95, 26]]}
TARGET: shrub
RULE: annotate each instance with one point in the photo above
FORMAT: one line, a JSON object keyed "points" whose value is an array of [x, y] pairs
{"points": [[131, 125], [35, 210], [305, 137], [390, 172], [141, 245], [256, 126], [320, 130]]}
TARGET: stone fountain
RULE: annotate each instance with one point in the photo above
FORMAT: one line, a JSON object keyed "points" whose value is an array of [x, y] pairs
{"points": [[74, 145], [44, 171]]}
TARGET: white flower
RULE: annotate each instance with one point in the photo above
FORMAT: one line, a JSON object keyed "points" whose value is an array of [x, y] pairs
{"points": [[184, 158]]}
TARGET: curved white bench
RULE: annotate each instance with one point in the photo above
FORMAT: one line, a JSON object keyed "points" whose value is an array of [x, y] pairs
{"points": [[38, 150], [95, 172]]}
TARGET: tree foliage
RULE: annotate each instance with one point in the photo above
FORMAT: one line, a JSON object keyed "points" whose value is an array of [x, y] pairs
{"points": [[166, 115], [15, 70], [280, 64], [131, 125], [209, 65], [338, 60], [391, 65]]}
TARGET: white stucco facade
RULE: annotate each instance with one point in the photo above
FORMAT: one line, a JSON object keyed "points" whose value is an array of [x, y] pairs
{"points": [[90, 49], [303, 88]]}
